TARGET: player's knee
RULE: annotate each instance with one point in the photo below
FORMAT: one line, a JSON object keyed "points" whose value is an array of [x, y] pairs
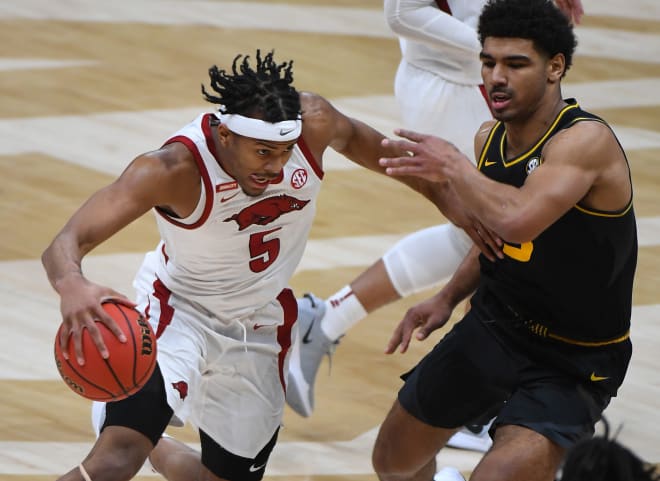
{"points": [[115, 459], [387, 464], [110, 466]]}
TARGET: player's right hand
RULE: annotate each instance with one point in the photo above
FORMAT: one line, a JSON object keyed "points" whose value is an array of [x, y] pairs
{"points": [[81, 308]]}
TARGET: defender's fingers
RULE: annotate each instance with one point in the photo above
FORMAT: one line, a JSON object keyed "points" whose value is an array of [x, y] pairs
{"points": [[410, 135]]}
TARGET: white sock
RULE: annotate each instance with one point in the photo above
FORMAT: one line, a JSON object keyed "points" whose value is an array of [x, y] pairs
{"points": [[342, 311]]}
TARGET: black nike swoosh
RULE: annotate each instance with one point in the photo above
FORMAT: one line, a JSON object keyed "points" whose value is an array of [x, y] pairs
{"points": [[306, 339]]}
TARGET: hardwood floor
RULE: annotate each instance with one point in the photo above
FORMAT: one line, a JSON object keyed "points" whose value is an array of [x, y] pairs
{"points": [[86, 86]]}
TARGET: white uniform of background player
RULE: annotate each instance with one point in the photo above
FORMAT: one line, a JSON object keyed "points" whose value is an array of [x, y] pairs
{"points": [[438, 89], [215, 291]]}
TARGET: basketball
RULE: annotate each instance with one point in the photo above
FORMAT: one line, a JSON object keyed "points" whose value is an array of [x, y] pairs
{"points": [[126, 370]]}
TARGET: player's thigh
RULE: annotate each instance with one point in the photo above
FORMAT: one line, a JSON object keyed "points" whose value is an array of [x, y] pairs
{"points": [[222, 464], [242, 383], [554, 405], [519, 454], [466, 377], [405, 444]]}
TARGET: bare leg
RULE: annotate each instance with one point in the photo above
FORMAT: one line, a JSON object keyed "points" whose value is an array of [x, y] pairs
{"points": [[176, 461], [405, 448], [117, 455], [519, 454], [373, 287]]}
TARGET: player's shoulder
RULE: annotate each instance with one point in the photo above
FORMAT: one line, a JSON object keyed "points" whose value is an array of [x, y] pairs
{"points": [[314, 106], [586, 135], [482, 134], [173, 161]]}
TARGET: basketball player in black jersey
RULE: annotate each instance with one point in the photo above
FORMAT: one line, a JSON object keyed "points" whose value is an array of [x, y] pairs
{"points": [[546, 343]]}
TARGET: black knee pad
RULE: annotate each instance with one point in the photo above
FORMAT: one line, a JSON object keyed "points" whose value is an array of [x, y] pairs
{"points": [[146, 411]]}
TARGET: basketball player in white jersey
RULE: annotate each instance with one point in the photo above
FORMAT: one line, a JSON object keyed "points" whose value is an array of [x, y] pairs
{"points": [[438, 89], [234, 197]]}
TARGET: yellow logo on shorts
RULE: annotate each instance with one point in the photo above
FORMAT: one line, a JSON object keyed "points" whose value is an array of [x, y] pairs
{"points": [[595, 378]]}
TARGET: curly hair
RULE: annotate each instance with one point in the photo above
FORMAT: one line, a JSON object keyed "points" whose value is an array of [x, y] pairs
{"points": [[603, 458], [537, 20], [264, 91]]}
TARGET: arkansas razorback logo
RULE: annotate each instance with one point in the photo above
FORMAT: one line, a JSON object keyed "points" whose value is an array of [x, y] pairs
{"points": [[266, 211], [182, 387]]}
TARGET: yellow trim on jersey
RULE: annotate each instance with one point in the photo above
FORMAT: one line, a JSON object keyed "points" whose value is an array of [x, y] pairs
{"points": [[540, 330], [605, 214], [491, 134], [547, 134]]}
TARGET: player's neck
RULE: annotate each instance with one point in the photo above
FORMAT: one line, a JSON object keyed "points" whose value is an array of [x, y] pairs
{"points": [[522, 133]]}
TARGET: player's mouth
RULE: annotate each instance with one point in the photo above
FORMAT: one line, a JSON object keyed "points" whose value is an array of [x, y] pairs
{"points": [[262, 180], [499, 100]]}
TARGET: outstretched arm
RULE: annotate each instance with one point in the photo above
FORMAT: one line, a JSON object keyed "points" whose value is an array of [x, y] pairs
{"points": [[576, 165], [326, 126], [422, 21]]}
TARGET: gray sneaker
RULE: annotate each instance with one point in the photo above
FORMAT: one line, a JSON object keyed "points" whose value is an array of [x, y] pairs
{"points": [[306, 355]]}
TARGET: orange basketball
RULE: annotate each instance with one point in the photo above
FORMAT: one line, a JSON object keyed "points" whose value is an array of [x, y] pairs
{"points": [[126, 370]]}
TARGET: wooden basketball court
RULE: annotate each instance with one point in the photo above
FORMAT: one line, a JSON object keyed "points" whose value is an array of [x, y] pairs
{"points": [[86, 86]]}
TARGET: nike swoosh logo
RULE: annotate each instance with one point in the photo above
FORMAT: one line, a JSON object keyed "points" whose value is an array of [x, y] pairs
{"points": [[259, 326], [488, 163], [595, 378], [254, 468], [306, 339], [229, 197], [287, 131]]}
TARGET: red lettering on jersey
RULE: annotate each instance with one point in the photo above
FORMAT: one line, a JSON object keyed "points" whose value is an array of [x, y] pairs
{"points": [[226, 186]]}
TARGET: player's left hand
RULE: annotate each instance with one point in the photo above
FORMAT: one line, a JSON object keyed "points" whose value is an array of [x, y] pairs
{"points": [[425, 317]]}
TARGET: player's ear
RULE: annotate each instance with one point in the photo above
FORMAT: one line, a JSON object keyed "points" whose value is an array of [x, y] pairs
{"points": [[556, 68], [223, 134]]}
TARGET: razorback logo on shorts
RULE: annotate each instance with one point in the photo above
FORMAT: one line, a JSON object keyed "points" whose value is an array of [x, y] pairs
{"points": [[182, 387]]}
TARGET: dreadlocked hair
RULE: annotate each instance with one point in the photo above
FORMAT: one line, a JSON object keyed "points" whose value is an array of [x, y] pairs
{"points": [[537, 20], [263, 92], [604, 459]]}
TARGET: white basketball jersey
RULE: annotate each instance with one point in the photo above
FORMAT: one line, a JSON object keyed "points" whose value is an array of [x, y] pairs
{"points": [[235, 253], [446, 44]]}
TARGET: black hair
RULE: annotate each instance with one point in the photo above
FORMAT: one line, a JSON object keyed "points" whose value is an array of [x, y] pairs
{"points": [[537, 20], [604, 459], [264, 92]]}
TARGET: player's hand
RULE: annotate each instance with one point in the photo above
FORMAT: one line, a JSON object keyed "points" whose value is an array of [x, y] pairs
{"points": [[486, 240], [428, 156], [81, 308], [425, 317], [573, 9]]}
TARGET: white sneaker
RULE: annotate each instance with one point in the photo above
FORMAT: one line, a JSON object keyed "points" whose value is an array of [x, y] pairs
{"points": [[98, 416], [472, 438], [448, 474], [306, 355]]}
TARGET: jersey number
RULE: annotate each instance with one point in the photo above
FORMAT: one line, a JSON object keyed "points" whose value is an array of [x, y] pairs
{"points": [[522, 253], [263, 252]]}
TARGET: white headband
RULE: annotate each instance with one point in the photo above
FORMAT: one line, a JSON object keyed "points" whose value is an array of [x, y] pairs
{"points": [[258, 129]]}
